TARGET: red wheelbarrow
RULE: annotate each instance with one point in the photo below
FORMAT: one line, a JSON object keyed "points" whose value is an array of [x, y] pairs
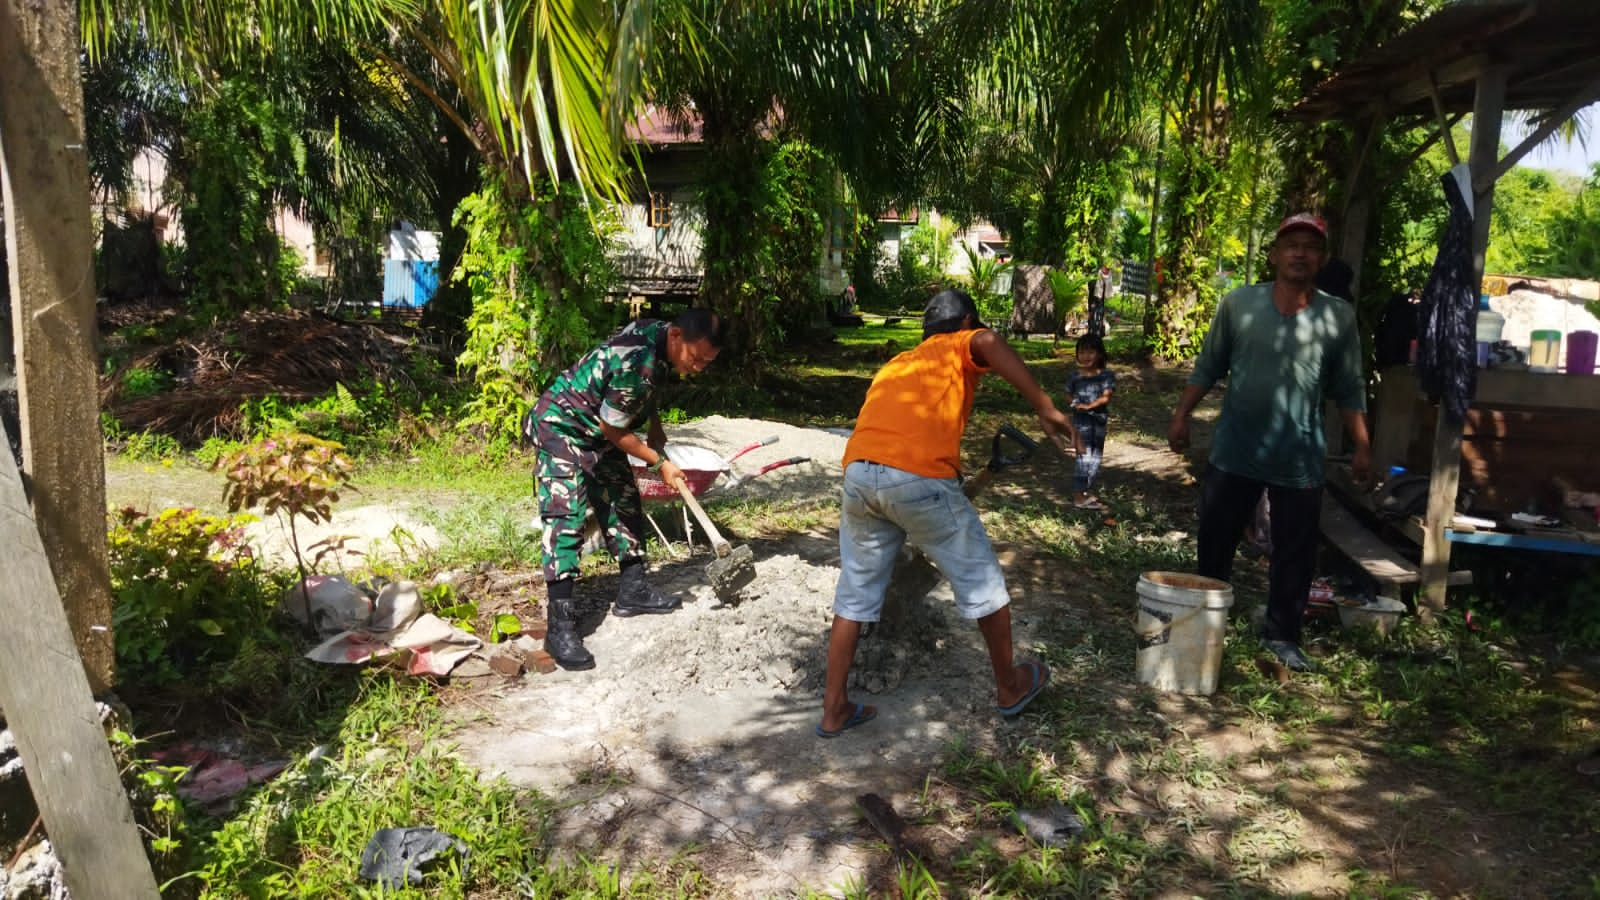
{"points": [[702, 468]]}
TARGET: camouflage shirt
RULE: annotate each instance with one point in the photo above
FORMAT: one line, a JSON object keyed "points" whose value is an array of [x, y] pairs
{"points": [[614, 383]]}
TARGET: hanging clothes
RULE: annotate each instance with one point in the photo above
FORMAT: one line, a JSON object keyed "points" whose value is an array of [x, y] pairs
{"points": [[1447, 363]]}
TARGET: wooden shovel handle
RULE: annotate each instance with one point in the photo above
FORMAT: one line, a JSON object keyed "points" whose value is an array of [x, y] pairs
{"points": [[720, 546]]}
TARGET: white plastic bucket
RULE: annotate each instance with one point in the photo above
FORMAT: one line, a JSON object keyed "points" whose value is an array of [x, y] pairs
{"points": [[1182, 621], [1381, 615]]}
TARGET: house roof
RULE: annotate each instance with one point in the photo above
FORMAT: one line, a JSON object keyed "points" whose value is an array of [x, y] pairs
{"points": [[658, 128], [1551, 49]]}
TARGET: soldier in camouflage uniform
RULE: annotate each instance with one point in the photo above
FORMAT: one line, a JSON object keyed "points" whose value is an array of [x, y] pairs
{"points": [[583, 429]]}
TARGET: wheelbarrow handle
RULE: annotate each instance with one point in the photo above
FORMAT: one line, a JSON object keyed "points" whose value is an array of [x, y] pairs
{"points": [[791, 461], [998, 459], [764, 442]]}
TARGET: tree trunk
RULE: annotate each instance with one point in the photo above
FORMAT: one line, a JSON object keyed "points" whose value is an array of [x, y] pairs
{"points": [[1047, 236], [1184, 294], [730, 189]]}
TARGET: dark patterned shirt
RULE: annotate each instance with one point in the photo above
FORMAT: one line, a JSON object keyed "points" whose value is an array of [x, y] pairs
{"points": [[1089, 388]]}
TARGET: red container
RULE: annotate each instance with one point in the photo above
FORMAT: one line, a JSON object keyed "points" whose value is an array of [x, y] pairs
{"points": [[651, 487]]}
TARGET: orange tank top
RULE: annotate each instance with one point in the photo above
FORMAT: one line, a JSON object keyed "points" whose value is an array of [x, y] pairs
{"points": [[917, 408]]}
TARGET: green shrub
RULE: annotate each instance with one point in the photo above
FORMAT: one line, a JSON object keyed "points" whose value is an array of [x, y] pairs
{"points": [[538, 271], [187, 594], [151, 446], [214, 449], [265, 415], [139, 382]]}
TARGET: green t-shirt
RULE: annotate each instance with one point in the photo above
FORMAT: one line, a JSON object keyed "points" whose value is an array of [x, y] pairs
{"points": [[1279, 368]]}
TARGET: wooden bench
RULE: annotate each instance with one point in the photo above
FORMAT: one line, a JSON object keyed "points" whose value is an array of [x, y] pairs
{"points": [[1374, 555]]}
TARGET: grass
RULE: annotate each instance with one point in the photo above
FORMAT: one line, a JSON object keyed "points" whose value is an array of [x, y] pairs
{"points": [[1446, 713], [391, 765]]}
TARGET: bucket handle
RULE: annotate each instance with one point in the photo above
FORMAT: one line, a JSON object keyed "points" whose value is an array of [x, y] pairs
{"points": [[1154, 637]]}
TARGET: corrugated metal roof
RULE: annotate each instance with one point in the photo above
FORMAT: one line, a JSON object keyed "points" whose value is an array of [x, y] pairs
{"points": [[1551, 49]]}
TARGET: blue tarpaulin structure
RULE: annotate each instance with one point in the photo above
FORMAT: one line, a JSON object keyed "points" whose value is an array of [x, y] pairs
{"points": [[409, 283]]}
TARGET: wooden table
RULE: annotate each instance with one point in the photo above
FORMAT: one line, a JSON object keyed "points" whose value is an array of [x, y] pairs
{"points": [[1398, 422]]}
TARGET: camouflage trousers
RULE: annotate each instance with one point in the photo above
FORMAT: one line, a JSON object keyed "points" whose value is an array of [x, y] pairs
{"points": [[568, 494]]}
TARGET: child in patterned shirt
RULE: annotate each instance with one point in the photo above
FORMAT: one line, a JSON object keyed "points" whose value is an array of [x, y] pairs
{"points": [[1089, 393]]}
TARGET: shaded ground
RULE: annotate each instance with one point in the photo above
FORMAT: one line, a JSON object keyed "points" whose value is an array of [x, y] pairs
{"points": [[693, 735]]}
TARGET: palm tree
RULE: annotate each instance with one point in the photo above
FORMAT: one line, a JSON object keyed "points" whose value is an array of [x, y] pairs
{"points": [[547, 83], [817, 73]]}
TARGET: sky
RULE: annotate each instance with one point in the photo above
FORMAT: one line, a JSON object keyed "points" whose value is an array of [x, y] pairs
{"points": [[1555, 154]]}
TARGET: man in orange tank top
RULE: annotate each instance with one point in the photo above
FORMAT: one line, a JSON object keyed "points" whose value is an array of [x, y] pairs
{"points": [[902, 483]]}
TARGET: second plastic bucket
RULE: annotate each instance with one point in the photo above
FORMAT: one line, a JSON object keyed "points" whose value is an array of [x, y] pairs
{"points": [[1580, 352], [1182, 621]]}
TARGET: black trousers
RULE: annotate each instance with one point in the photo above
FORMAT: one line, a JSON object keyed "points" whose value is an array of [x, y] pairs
{"points": [[1227, 506]]}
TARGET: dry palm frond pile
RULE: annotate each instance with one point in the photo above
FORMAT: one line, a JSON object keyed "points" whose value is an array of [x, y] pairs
{"points": [[294, 356]]}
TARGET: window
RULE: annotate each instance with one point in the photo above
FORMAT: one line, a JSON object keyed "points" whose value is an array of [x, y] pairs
{"points": [[660, 210]]}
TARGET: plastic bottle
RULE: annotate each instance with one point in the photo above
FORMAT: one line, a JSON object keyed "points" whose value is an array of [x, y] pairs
{"points": [[1490, 325]]}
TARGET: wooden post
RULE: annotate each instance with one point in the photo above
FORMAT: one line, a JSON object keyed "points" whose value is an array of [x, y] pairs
{"points": [[1392, 425], [1446, 477], [51, 712], [44, 180]]}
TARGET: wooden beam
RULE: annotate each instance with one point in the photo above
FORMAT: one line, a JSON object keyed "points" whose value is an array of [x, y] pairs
{"points": [[51, 711], [1375, 556], [1585, 95], [1405, 165], [44, 180], [1443, 122], [1426, 82], [1446, 472], [1508, 389]]}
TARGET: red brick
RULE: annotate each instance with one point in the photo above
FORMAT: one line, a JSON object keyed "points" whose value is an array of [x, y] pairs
{"points": [[542, 662], [506, 664]]}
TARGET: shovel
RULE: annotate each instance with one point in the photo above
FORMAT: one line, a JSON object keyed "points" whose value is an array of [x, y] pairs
{"points": [[735, 567], [1000, 459]]}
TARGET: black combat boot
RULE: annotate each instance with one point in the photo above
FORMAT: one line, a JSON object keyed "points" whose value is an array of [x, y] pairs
{"points": [[635, 595], [562, 639]]}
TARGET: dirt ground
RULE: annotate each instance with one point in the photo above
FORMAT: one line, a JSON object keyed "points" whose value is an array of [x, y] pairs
{"points": [[694, 733]]}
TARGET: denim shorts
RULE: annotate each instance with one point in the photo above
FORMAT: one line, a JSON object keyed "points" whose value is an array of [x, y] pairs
{"points": [[885, 507]]}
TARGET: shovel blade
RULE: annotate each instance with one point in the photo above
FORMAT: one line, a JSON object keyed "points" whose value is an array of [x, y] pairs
{"points": [[732, 573]]}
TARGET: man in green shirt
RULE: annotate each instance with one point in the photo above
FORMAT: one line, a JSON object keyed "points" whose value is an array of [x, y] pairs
{"points": [[1283, 346]]}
